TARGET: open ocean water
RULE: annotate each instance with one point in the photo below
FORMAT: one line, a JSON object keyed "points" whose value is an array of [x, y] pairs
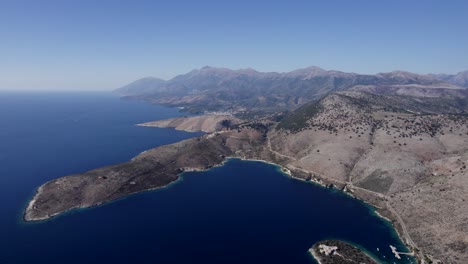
{"points": [[242, 212]]}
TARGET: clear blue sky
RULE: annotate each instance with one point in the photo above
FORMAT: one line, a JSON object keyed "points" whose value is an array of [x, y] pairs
{"points": [[101, 44]]}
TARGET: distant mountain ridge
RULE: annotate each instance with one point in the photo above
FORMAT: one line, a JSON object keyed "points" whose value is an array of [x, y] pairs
{"points": [[223, 89], [460, 79], [145, 85]]}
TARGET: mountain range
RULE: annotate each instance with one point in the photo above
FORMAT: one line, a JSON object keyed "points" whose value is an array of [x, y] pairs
{"points": [[222, 89]]}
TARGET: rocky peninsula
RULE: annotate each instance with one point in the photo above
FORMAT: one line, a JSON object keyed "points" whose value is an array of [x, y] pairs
{"points": [[151, 169]]}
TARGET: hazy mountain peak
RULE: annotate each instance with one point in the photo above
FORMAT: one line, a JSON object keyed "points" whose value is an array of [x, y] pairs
{"points": [[216, 70], [248, 71], [142, 86], [398, 73], [223, 69], [307, 72], [405, 77], [151, 78], [460, 79]]}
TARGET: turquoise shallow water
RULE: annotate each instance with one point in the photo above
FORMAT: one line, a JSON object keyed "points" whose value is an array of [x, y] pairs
{"points": [[242, 212]]}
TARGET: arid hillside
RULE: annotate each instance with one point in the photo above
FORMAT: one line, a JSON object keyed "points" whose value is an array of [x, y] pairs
{"points": [[204, 123], [415, 163]]}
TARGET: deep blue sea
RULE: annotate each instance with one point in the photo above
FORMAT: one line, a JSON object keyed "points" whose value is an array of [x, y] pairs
{"points": [[243, 212]]}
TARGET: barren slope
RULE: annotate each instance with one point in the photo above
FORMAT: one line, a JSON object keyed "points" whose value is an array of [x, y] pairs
{"points": [[415, 162], [204, 123]]}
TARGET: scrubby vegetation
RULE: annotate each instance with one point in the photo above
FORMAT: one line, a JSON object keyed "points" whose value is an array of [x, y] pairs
{"points": [[298, 119]]}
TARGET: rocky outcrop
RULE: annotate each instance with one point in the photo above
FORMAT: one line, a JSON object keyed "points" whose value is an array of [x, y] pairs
{"points": [[339, 252]]}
